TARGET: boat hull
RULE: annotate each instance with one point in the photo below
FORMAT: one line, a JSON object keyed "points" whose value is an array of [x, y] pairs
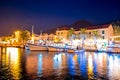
{"points": [[56, 49], [38, 48], [74, 51]]}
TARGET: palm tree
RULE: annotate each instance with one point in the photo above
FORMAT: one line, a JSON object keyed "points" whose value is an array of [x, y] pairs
{"points": [[96, 35], [116, 31], [71, 35], [83, 35], [24, 36]]}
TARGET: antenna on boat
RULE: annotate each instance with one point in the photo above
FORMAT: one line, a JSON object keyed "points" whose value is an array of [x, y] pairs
{"points": [[32, 30], [41, 34]]}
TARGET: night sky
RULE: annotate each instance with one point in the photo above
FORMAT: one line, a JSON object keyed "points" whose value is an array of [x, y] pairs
{"points": [[46, 14]]}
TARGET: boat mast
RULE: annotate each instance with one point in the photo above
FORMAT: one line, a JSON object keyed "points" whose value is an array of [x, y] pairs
{"points": [[32, 29], [41, 34], [32, 34]]}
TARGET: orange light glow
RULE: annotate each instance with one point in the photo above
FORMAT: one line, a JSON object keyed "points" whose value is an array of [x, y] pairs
{"points": [[14, 55]]}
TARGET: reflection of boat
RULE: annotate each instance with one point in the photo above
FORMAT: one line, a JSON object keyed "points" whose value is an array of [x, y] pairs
{"points": [[75, 50], [56, 49], [113, 49], [27, 47], [38, 47]]}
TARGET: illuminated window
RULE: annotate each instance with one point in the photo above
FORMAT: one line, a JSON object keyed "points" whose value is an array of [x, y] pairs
{"points": [[103, 32], [89, 32], [103, 37]]}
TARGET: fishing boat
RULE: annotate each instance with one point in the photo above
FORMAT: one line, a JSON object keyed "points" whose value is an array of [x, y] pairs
{"points": [[75, 50], [38, 47], [56, 49]]}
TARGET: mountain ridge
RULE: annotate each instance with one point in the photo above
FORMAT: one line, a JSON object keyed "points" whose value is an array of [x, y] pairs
{"points": [[81, 24]]}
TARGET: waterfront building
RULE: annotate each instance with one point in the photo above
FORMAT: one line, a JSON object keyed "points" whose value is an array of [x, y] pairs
{"points": [[62, 32], [104, 31], [94, 36], [50, 37], [42, 38]]}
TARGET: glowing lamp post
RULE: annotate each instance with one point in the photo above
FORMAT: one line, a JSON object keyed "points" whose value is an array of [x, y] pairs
{"points": [[17, 35]]}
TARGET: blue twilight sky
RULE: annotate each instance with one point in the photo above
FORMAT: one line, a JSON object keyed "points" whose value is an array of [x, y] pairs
{"points": [[46, 14]]}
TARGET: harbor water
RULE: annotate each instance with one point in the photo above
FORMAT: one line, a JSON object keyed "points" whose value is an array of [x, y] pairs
{"points": [[18, 64]]}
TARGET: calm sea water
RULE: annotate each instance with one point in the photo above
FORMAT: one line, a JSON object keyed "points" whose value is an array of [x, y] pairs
{"points": [[17, 64]]}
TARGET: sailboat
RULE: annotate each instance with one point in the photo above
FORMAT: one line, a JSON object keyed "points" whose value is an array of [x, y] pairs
{"points": [[34, 47]]}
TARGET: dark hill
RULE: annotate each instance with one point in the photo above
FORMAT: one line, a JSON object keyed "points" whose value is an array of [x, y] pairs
{"points": [[52, 30], [117, 22], [77, 25], [81, 24]]}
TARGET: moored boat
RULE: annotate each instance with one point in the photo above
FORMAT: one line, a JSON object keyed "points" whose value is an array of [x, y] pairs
{"points": [[75, 50], [38, 47], [56, 49]]}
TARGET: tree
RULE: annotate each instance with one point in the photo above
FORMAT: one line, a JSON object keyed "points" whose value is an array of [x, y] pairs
{"points": [[24, 36], [5, 38], [71, 35], [96, 35], [116, 31], [82, 35], [57, 39], [71, 32]]}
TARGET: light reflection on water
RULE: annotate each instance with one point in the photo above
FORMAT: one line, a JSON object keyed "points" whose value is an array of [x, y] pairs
{"points": [[114, 67], [10, 58], [90, 66], [63, 66]]}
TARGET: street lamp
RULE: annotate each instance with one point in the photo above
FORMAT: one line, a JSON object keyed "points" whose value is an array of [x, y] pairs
{"points": [[17, 35]]}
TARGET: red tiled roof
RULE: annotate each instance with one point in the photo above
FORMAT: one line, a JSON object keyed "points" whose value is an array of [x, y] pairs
{"points": [[98, 27], [88, 27]]}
